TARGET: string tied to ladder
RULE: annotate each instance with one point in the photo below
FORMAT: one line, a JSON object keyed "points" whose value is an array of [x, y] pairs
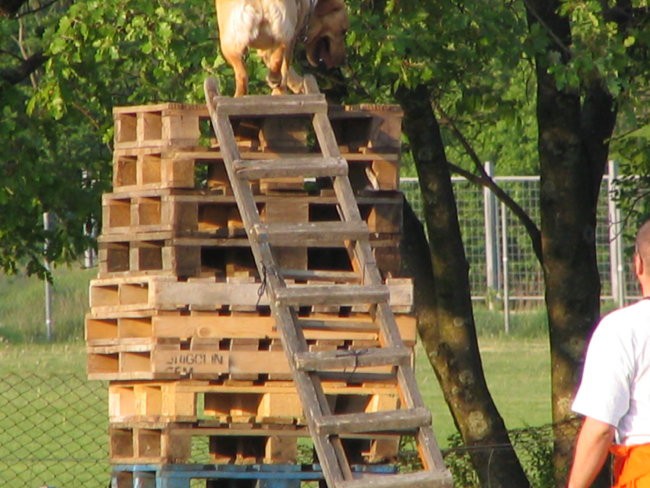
{"points": [[262, 288], [355, 353]]}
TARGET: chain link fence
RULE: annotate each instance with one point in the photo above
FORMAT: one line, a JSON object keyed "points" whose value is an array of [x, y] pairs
{"points": [[53, 434], [53, 431]]}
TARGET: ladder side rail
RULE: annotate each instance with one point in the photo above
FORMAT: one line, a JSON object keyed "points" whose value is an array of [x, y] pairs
{"points": [[427, 446], [348, 207], [308, 385], [313, 400]]}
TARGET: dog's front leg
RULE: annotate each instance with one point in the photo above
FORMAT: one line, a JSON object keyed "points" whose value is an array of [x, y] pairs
{"points": [[295, 81], [275, 61]]}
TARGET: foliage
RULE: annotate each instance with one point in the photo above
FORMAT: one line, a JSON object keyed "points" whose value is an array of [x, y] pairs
{"points": [[534, 446], [469, 54], [40, 160]]}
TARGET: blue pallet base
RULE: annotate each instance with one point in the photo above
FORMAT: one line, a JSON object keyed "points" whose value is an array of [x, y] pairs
{"points": [[262, 475]]}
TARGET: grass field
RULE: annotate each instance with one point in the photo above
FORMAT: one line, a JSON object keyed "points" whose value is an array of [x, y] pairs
{"points": [[60, 420]]}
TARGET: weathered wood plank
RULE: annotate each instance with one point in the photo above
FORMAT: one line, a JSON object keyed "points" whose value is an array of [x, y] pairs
{"points": [[331, 294], [352, 358], [418, 479], [297, 166], [262, 105], [404, 420], [311, 233]]}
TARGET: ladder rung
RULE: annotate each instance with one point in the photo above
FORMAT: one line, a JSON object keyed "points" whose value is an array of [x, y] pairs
{"points": [[309, 166], [409, 419], [342, 325], [332, 294], [320, 275], [311, 233], [260, 105], [353, 358], [418, 479]]}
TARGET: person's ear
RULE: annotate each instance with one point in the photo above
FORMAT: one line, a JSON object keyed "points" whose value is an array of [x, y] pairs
{"points": [[638, 264]]}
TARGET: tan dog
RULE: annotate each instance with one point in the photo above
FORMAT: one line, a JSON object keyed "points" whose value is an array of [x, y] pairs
{"points": [[273, 27]]}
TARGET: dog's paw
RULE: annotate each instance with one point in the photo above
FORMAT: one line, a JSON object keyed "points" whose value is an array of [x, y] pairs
{"points": [[278, 90]]}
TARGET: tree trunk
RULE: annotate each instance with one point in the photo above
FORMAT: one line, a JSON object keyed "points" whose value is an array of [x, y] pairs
{"points": [[574, 128], [443, 302]]}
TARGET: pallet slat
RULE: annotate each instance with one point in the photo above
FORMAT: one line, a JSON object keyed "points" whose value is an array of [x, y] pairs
{"points": [[294, 167]]}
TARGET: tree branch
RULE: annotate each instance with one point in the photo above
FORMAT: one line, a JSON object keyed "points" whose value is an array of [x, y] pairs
{"points": [[37, 9], [9, 8], [549, 30], [14, 76], [485, 180]]}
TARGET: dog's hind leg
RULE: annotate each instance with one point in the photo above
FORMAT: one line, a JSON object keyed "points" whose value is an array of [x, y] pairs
{"points": [[236, 60]]}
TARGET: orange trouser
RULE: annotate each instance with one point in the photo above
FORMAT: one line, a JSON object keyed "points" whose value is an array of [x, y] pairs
{"points": [[631, 466]]}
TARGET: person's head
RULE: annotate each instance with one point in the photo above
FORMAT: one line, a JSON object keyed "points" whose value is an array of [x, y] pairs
{"points": [[642, 256]]}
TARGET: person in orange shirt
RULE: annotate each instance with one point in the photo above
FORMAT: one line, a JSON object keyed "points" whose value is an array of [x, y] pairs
{"points": [[614, 393]]}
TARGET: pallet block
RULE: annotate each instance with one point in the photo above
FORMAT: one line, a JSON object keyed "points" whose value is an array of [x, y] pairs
{"points": [[168, 124], [160, 442], [367, 126]]}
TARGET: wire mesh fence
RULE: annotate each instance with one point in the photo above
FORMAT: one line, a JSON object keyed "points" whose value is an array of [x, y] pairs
{"points": [[53, 433], [502, 263]]}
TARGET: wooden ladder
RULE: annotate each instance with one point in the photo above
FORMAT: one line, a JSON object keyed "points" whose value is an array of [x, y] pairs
{"points": [[286, 297]]}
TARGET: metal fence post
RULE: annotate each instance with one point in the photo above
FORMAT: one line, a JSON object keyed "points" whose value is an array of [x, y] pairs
{"points": [[615, 239], [504, 253], [47, 225], [491, 241]]}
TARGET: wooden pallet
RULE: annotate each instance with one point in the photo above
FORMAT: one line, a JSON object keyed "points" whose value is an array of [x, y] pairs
{"points": [[243, 442], [327, 429], [195, 167], [229, 407], [164, 254], [163, 145], [355, 328], [269, 401], [202, 213], [209, 358], [114, 295]]}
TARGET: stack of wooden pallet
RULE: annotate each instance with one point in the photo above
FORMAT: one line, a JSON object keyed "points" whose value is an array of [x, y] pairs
{"points": [[179, 322]]}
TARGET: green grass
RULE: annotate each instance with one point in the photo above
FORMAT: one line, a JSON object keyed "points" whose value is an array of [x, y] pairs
{"points": [[22, 306], [44, 393], [523, 398]]}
